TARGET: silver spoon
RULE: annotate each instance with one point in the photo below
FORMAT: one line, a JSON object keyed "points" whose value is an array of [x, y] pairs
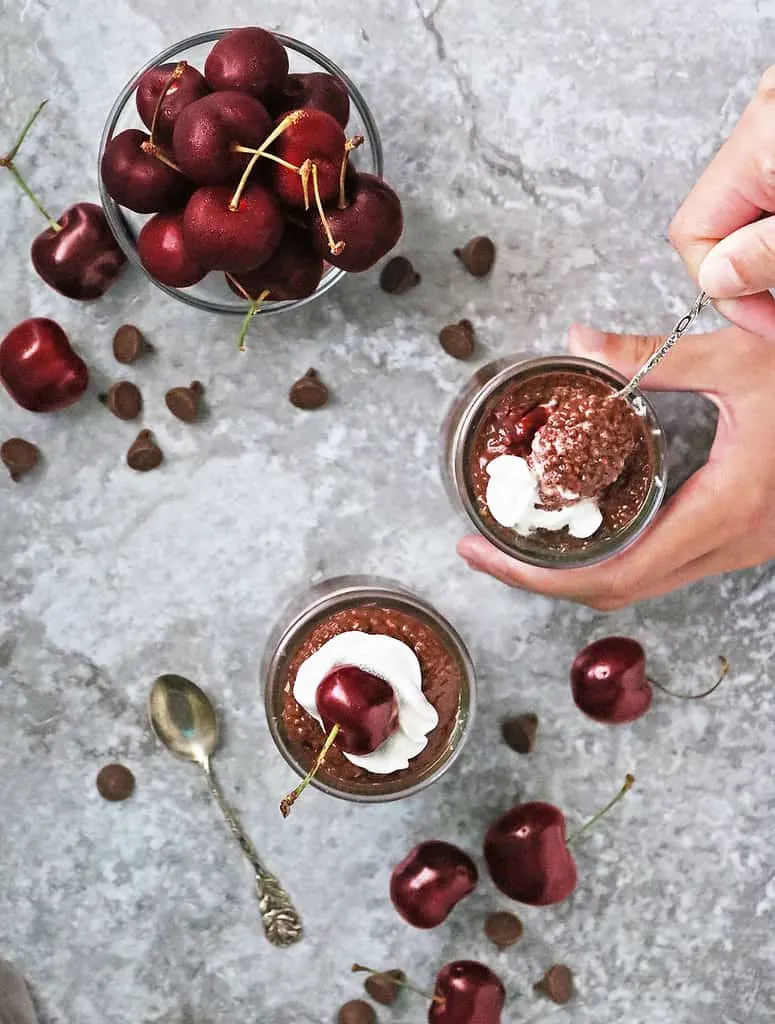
{"points": [[184, 719], [677, 332]]}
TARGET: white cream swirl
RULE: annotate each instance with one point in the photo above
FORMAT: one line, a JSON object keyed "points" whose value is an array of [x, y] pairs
{"points": [[396, 663], [513, 501]]}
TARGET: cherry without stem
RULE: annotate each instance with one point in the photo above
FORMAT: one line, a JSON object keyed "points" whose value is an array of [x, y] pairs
{"points": [[430, 881], [39, 368], [212, 134]]}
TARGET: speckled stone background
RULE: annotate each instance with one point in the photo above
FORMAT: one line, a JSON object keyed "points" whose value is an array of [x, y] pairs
{"points": [[568, 131]]}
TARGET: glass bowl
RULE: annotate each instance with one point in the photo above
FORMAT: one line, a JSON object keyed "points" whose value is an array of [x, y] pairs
{"points": [[299, 619], [460, 430], [212, 293]]}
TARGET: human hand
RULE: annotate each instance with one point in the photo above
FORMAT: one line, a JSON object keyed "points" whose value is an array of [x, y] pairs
{"points": [[722, 230], [722, 519]]}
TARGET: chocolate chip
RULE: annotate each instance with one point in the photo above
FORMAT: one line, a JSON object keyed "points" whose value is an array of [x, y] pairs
{"points": [[503, 929], [477, 256], [519, 732], [19, 457], [115, 782], [144, 454], [308, 392], [184, 402], [557, 984], [384, 988], [123, 399], [398, 276], [458, 340], [357, 1011], [129, 344]]}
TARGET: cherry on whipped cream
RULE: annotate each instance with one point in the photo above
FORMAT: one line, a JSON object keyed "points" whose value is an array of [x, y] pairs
{"points": [[362, 705]]}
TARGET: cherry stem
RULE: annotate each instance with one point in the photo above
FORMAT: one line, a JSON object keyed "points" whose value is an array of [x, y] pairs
{"points": [[8, 162], [255, 306], [337, 248], [152, 149], [360, 969], [236, 148], [629, 782], [177, 73], [288, 801], [350, 144], [274, 134], [697, 696]]}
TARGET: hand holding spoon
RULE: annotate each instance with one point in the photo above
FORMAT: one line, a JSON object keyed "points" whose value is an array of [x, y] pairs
{"points": [[185, 721], [677, 332]]}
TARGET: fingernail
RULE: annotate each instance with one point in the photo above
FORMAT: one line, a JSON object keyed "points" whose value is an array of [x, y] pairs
{"points": [[719, 278]]}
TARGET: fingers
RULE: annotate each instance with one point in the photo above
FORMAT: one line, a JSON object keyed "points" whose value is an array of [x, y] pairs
{"points": [[699, 362], [743, 263], [754, 313], [691, 526], [736, 187]]}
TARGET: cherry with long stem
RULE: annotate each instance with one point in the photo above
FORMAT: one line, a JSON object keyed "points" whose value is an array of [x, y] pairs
{"points": [[360, 969], [350, 145], [288, 801], [697, 696], [7, 161], [257, 154], [150, 146], [629, 782]]}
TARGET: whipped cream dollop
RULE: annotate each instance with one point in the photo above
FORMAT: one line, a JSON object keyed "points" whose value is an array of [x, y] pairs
{"points": [[513, 499], [396, 663]]}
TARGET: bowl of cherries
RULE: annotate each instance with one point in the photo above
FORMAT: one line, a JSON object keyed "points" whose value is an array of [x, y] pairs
{"points": [[241, 170]]}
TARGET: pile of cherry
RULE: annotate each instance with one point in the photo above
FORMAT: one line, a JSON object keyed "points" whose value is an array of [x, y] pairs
{"points": [[526, 850], [246, 170]]}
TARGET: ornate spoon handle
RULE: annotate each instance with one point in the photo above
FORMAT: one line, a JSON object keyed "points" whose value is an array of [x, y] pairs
{"points": [[281, 921], [678, 331]]}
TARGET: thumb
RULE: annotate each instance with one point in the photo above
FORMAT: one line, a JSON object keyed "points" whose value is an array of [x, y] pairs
{"points": [[743, 263], [697, 363]]}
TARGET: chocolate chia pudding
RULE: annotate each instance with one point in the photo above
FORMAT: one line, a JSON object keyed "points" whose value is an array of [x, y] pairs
{"points": [[446, 682], [581, 443]]}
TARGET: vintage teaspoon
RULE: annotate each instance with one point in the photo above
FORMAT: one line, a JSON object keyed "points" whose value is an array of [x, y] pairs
{"points": [[185, 721]]}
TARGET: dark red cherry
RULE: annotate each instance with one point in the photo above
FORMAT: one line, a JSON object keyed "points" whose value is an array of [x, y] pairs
{"points": [[292, 272], [219, 238], [163, 253], [608, 680], [361, 704], [312, 135], [432, 879], [369, 226], [250, 60], [315, 89], [39, 368], [528, 857], [137, 179], [467, 993], [207, 131], [187, 86], [81, 260]]}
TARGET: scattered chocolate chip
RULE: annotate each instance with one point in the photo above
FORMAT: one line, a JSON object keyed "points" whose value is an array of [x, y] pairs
{"points": [[458, 340], [503, 929], [115, 782], [385, 987], [129, 344], [477, 256], [123, 399], [184, 402], [398, 276], [309, 391], [357, 1011], [519, 732], [19, 457], [557, 984], [144, 454]]}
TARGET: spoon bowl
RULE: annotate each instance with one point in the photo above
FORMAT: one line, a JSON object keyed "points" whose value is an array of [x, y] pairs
{"points": [[183, 718]]}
